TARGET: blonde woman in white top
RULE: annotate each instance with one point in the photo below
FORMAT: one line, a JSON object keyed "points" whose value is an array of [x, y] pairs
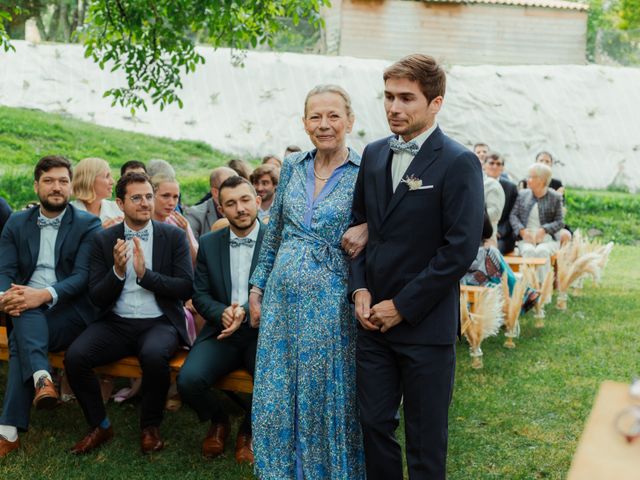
{"points": [[92, 187]]}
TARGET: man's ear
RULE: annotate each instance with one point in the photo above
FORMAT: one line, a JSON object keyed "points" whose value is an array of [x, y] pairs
{"points": [[120, 204]]}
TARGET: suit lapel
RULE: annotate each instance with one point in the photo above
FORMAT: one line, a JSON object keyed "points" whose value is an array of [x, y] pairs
{"points": [[158, 246], [65, 227], [428, 154], [225, 262], [33, 236], [256, 250], [381, 177]]}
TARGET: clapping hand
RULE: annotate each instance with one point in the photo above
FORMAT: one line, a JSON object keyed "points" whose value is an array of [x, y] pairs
{"points": [[120, 257], [138, 258], [232, 318]]}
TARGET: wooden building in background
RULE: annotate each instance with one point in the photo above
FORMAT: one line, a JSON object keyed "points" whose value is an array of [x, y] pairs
{"points": [[459, 32]]}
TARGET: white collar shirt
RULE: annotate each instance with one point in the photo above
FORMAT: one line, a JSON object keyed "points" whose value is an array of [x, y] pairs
{"points": [[44, 275], [401, 161], [135, 301], [240, 266]]}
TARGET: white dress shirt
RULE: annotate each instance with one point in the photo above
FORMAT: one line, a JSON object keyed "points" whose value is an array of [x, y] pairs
{"points": [[44, 275], [135, 301], [401, 161], [240, 266]]}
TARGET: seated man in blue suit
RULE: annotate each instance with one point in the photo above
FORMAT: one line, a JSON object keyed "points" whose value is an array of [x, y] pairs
{"points": [[140, 274], [44, 270], [226, 259]]}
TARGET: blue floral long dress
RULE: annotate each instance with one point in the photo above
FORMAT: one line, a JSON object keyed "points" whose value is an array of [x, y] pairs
{"points": [[305, 419]]}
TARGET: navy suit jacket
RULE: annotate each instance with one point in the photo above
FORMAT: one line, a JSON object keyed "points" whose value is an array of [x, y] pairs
{"points": [[212, 284], [421, 242], [20, 246], [171, 279], [510, 196]]}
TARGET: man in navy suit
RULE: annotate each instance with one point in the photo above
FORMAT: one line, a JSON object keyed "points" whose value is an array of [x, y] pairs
{"points": [[140, 275], [44, 269], [226, 259], [421, 195]]}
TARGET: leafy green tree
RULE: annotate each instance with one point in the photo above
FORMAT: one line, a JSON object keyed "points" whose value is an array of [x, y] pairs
{"points": [[154, 41], [629, 14]]}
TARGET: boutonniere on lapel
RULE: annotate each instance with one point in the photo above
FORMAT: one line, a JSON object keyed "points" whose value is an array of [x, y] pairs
{"points": [[413, 182]]}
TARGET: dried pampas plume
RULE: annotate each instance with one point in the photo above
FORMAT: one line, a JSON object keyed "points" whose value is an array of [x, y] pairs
{"points": [[483, 322], [511, 322]]}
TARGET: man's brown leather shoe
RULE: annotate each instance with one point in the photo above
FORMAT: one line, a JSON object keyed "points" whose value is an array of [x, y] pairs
{"points": [[6, 447], [93, 440], [213, 444], [46, 396], [244, 448], [150, 440]]}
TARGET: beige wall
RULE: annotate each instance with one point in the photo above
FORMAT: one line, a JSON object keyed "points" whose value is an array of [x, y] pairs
{"points": [[459, 34]]}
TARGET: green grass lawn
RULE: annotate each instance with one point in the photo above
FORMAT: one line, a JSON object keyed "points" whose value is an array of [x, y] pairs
{"points": [[518, 418]]}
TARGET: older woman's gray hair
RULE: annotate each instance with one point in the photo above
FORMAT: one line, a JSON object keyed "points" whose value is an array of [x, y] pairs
{"points": [[541, 171], [157, 166]]}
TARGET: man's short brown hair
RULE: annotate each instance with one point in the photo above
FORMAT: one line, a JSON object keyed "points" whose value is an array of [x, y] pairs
{"points": [[271, 170], [51, 161], [422, 69]]}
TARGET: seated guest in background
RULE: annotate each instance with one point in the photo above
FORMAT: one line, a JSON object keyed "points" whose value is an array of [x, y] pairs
{"points": [[241, 167], [166, 193], [265, 180], [44, 271], [203, 215], [5, 212], [537, 216], [92, 187], [227, 342], [493, 167], [132, 166], [158, 166], [481, 150], [489, 266], [140, 275], [272, 160], [493, 193], [291, 149]]}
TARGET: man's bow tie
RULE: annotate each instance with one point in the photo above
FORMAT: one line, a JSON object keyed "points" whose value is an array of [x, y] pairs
{"points": [[399, 146], [237, 242], [48, 222], [142, 235]]}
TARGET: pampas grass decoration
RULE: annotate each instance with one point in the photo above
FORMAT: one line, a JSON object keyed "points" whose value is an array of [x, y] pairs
{"points": [[483, 322], [568, 273], [513, 313], [546, 292], [504, 282]]}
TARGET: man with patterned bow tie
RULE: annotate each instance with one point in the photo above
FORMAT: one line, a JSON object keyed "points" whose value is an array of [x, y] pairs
{"points": [[44, 268], [226, 259], [140, 275], [420, 194]]}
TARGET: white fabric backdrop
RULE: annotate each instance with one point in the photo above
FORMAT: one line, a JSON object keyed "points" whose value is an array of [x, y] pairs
{"points": [[587, 116]]}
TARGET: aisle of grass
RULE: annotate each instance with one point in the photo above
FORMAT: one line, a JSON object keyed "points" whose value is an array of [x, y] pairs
{"points": [[518, 418]]}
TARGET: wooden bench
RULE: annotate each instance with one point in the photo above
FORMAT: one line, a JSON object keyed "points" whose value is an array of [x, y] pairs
{"points": [[516, 262], [473, 294], [129, 367]]}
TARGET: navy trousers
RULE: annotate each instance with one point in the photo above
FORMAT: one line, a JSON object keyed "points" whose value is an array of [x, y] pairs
{"points": [[35, 333]]}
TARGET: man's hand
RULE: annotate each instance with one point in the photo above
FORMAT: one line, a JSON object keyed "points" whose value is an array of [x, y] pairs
{"points": [[540, 234], [255, 309], [355, 239], [120, 256], [20, 298], [362, 302], [232, 318], [385, 315], [138, 258], [526, 236]]}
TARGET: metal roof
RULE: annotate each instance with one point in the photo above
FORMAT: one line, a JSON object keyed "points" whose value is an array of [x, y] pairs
{"points": [[560, 4]]}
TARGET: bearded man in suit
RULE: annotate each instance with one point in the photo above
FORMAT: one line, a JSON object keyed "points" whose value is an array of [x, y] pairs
{"points": [[421, 195], [44, 269]]}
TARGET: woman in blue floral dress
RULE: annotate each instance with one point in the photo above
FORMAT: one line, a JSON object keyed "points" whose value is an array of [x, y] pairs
{"points": [[305, 419]]}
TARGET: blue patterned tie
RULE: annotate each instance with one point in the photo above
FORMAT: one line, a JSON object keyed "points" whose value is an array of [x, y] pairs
{"points": [[399, 146], [142, 235], [44, 222], [238, 242]]}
